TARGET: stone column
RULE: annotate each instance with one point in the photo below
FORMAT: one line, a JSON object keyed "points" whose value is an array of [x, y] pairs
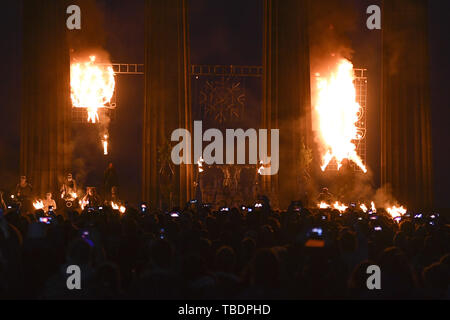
{"points": [[406, 164], [46, 107], [167, 100], [287, 94]]}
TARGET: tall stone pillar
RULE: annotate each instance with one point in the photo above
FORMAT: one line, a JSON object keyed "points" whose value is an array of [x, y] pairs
{"points": [[287, 94], [167, 101], [45, 114], [406, 164]]}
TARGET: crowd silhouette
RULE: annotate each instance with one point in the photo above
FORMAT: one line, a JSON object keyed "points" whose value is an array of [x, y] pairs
{"points": [[233, 253]]}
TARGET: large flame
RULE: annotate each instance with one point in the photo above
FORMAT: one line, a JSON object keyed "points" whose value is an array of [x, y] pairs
{"points": [[337, 112], [92, 86]]}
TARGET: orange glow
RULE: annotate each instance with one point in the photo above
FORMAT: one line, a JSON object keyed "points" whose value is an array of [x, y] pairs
{"points": [[374, 209], [121, 209], [105, 144], [396, 212], [83, 204], [323, 205], [38, 204], [200, 165], [364, 208], [261, 169], [341, 207], [337, 113], [92, 86]]}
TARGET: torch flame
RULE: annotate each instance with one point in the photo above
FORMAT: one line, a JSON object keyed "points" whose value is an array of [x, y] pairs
{"points": [[364, 208], [83, 204], [38, 205], [92, 86], [374, 209], [105, 145], [323, 205], [115, 206], [337, 112], [396, 212], [341, 207]]}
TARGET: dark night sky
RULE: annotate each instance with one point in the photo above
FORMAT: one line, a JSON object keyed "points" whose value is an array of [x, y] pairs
{"points": [[222, 32]]}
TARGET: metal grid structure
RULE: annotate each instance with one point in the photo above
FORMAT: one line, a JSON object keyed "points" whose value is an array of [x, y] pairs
{"points": [[361, 143], [123, 68], [219, 93], [79, 115], [361, 98], [228, 71]]}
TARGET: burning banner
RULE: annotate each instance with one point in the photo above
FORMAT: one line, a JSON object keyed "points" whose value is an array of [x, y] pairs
{"points": [[337, 114], [92, 86]]}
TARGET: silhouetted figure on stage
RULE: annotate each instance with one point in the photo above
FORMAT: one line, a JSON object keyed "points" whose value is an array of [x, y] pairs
{"points": [[69, 188], [24, 193], [24, 189], [110, 180], [91, 199], [114, 195], [325, 196]]}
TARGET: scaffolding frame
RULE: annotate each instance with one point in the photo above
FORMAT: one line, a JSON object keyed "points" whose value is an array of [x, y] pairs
{"points": [[227, 71]]}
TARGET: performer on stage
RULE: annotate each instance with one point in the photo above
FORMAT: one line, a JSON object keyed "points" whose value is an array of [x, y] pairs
{"points": [[49, 202], [325, 196], [69, 188], [24, 193], [115, 195], [110, 180], [24, 189], [91, 199]]}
